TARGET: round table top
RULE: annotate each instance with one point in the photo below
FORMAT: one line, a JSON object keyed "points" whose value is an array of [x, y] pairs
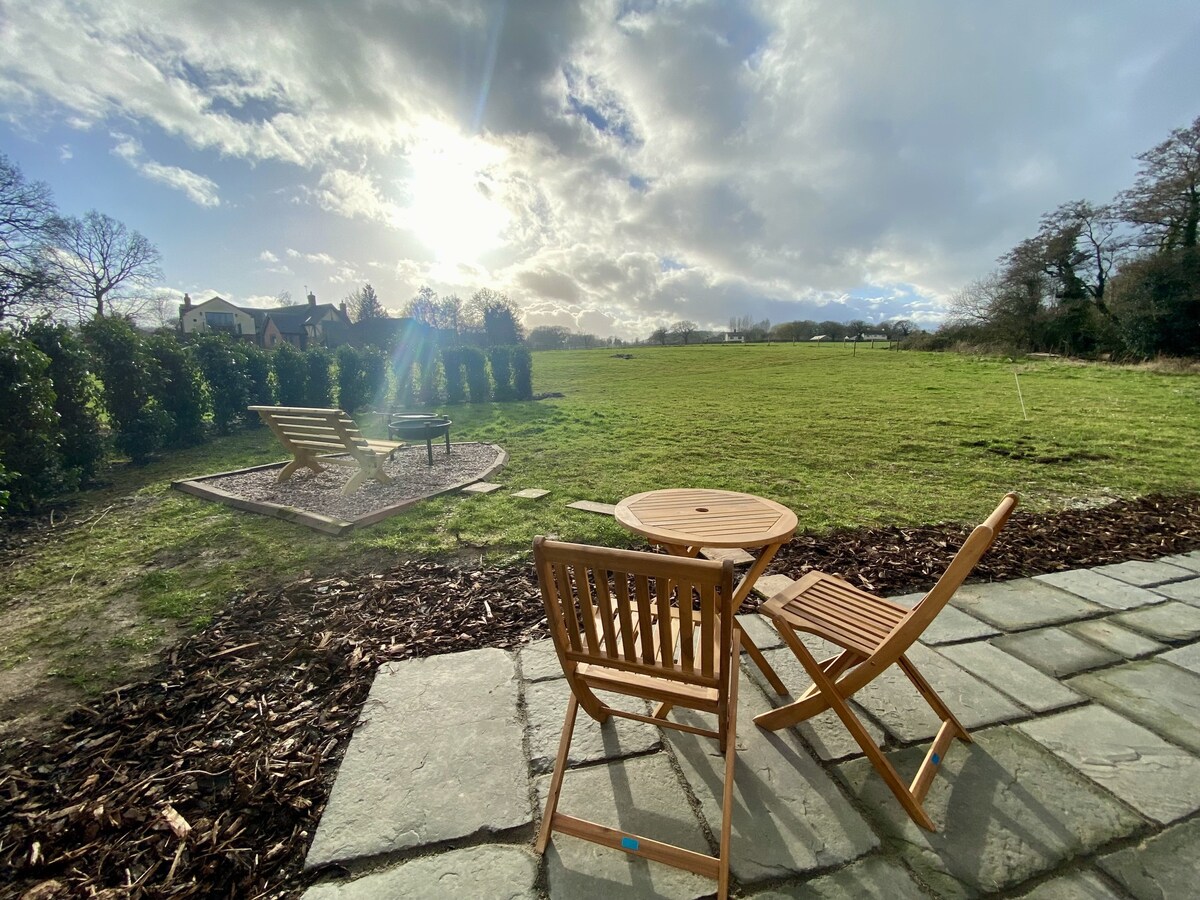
{"points": [[707, 518]]}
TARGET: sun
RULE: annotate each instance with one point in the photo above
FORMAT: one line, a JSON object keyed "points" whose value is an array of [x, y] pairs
{"points": [[452, 206]]}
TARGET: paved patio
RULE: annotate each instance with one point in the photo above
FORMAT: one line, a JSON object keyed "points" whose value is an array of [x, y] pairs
{"points": [[1082, 691]]}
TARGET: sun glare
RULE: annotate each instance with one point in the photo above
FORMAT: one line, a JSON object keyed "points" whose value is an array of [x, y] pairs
{"points": [[452, 207]]}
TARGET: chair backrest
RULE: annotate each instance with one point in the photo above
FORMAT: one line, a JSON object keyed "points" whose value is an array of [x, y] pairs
{"points": [[600, 603], [319, 430], [911, 626]]}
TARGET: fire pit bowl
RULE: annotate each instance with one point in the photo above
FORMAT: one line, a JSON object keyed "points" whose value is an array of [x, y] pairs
{"points": [[420, 427]]}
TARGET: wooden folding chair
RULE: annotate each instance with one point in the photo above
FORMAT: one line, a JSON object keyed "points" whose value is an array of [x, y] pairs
{"points": [[874, 633], [615, 630]]}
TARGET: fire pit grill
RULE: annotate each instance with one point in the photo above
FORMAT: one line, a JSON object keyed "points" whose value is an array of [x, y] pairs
{"points": [[420, 427]]}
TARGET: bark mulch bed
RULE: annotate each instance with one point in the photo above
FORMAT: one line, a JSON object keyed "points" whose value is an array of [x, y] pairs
{"points": [[208, 778]]}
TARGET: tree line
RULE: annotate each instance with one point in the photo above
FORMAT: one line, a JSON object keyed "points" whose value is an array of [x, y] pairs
{"points": [[1121, 277]]}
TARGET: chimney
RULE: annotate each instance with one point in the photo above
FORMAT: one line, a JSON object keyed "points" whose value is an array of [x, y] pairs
{"points": [[312, 299], [345, 312], [187, 302]]}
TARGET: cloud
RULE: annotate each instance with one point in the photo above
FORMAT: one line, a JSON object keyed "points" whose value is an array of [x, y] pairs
{"points": [[200, 190], [323, 259], [351, 194], [268, 257]]}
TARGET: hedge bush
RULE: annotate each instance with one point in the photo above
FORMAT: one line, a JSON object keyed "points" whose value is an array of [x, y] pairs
{"points": [[29, 439], [499, 359], [475, 364], [131, 384], [318, 386], [181, 390], [76, 398], [522, 372], [291, 375], [228, 379]]}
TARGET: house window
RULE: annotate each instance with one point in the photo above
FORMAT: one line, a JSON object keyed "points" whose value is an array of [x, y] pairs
{"points": [[219, 320]]}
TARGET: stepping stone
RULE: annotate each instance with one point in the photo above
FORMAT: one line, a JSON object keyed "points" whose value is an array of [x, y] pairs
{"points": [[1185, 657], [760, 630], [1163, 697], [951, 625], [1159, 867], [531, 494], [1010, 676], [1158, 779], [1171, 621], [788, 815], [487, 872], [1112, 636], [1023, 603], [824, 732], [545, 709], [1005, 808], [1092, 585], [1187, 591], [1055, 651], [870, 877], [604, 509], [481, 487], [1145, 574], [767, 586], [737, 555], [1083, 885], [634, 796], [894, 701], [401, 785]]}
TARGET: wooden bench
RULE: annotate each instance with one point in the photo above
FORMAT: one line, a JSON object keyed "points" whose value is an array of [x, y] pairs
{"points": [[328, 435]]}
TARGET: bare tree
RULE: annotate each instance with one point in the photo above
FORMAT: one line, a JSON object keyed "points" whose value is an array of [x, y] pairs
{"points": [[659, 335], [684, 329], [104, 267], [28, 221], [1081, 244], [1165, 198]]}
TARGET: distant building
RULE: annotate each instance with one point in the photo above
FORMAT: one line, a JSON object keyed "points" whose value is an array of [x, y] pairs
{"points": [[302, 325]]}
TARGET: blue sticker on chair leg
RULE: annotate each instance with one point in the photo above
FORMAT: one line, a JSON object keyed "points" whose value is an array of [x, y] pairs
{"points": [[628, 843], [936, 759]]}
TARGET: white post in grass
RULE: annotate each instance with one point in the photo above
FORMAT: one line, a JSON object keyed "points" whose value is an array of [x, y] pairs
{"points": [[1019, 397]]}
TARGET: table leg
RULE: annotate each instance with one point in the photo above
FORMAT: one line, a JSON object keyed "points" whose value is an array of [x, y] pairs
{"points": [[447, 441], [760, 565]]}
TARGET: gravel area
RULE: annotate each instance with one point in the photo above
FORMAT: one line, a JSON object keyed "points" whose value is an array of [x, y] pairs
{"points": [[413, 478]]}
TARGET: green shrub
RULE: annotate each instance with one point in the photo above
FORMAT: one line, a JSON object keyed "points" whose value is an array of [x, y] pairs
{"points": [[228, 380], [257, 364], [76, 398], [499, 358], [131, 379], [477, 375], [351, 386], [429, 383], [373, 363], [291, 375], [452, 371], [29, 439], [181, 390], [522, 373], [318, 385]]}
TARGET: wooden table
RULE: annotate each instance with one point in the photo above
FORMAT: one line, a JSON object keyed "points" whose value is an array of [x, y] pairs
{"points": [[683, 520]]}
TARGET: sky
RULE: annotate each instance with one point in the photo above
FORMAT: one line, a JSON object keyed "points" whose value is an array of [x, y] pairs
{"points": [[612, 166]]}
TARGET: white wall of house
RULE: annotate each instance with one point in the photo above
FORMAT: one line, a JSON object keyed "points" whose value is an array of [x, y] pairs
{"points": [[214, 314]]}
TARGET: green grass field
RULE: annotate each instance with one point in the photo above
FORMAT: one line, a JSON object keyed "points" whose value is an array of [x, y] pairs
{"points": [[843, 439]]}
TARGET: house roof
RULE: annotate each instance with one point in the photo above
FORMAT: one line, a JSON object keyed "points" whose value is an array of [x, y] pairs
{"points": [[292, 319]]}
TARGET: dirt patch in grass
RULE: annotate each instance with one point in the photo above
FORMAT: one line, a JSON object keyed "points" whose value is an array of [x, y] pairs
{"points": [[208, 777]]}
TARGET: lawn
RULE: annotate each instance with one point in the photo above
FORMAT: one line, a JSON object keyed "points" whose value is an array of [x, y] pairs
{"points": [[843, 438]]}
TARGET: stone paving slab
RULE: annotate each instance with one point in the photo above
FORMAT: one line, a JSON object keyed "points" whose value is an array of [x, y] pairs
{"points": [[1164, 698], [531, 494], [1163, 867], [1185, 560], [604, 509], [1170, 621], [545, 710], [1114, 638], [1082, 885], [767, 586], [481, 487], [488, 872], [1006, 810], [894, 701], [539, 661], [736, 555], [1145, 574], [408, 777], [874, 877], [1102, 589], [1186, 591], [761, 631], [788, 816], [951, 625], [1055, 651], [1023, 603], [1185, 657], [824, 733], [1018, 680], [637, 796], [1158, 779]]}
